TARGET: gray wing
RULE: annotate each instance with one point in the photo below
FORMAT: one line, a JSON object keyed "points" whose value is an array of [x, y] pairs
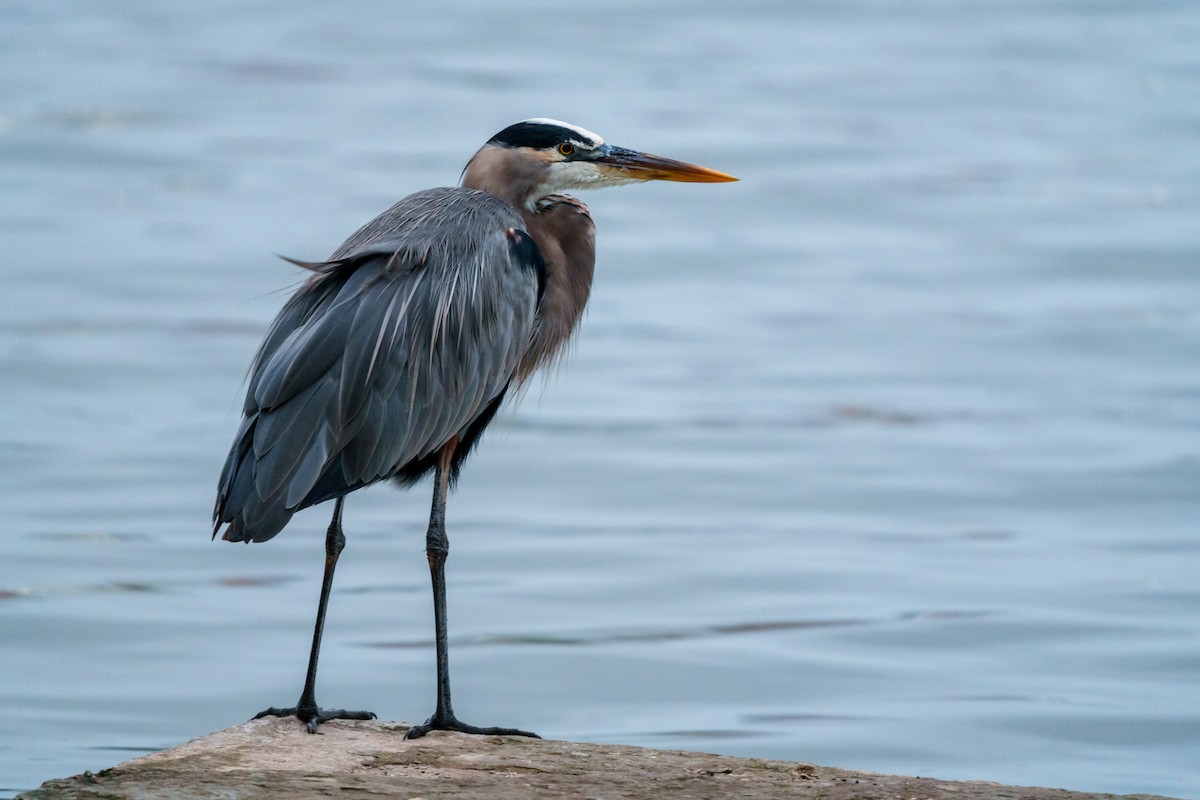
{"points": [[393, 347]]}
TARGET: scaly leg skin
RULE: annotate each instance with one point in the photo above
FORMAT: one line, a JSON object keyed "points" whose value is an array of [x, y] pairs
{"points": [[306, 710], [437, 547]]}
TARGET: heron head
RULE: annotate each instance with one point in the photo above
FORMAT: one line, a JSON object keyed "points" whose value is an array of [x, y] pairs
{"points": [[548, 156]]}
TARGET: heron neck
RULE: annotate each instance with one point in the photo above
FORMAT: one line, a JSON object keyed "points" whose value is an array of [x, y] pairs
{"points": [[507, 174]]}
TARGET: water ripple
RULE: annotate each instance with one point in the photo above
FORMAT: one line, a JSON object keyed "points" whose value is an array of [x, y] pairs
{"points": [[593, 638]]}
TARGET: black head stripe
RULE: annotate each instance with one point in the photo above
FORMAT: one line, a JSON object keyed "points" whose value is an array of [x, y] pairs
{"points": [[538, 135]]}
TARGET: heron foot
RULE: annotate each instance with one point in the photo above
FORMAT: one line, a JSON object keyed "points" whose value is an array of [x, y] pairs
{"points": [[450, 723], [312, 716]]}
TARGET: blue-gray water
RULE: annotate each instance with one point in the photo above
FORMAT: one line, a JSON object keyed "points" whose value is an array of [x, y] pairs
{"points": [[886, 457]]}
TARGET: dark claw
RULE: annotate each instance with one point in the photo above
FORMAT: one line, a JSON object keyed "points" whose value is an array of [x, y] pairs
{"points": [[312, 717], [451, 723]]}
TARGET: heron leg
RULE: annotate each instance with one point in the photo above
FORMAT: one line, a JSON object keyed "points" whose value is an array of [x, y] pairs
{"points": [[307, 709], [437, 548]]}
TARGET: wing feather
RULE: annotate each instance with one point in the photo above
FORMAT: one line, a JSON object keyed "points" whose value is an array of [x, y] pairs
{"points": [[400, 342]]}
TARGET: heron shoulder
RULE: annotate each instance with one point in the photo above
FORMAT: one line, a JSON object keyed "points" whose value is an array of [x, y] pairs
{"points": [[448, 220]]}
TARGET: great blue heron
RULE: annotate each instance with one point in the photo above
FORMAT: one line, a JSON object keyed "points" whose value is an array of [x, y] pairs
{"points": [[393, 357]]}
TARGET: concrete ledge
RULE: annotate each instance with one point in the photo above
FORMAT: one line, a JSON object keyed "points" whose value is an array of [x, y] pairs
{"points": [[276, 758]]}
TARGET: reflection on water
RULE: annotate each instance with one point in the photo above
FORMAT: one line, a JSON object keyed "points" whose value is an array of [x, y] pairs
{"points": [[885, 457]]}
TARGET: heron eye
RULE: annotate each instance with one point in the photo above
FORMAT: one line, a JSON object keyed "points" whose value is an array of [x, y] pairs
{"points": [[566, 148]]}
